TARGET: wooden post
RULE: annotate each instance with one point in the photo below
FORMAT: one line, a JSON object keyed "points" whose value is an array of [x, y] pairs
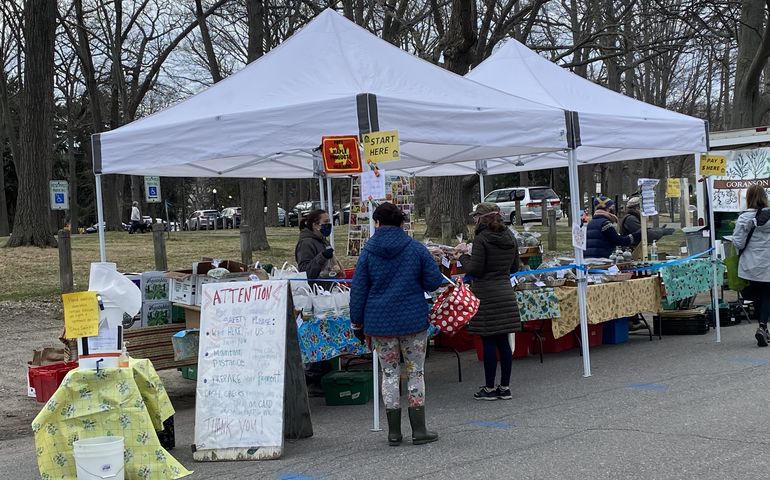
{"points": [[544, 212], [246, 244], [66, 280], [297, 422], [159, 240], [446, 229], [552, 230], [519, 220]]}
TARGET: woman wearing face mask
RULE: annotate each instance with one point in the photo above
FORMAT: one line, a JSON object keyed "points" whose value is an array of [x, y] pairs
{"points": [[313, 251], [387, 303], [495, 255]]}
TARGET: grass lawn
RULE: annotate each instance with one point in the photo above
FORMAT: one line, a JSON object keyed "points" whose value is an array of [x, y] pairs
{"points": [[32, 273]]}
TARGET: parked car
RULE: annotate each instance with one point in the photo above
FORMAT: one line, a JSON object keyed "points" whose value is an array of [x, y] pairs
{"points": [[95, 227], [531, 202], [342, 217], [203, 220], [232, 217], [301, 209]]}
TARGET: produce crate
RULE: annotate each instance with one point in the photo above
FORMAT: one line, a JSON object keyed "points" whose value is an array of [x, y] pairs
{"points": [[684, 322], [461, 341], [595, 334], [550, 344], [348, 388], [190, 373], [615, 331], [46, 379]]}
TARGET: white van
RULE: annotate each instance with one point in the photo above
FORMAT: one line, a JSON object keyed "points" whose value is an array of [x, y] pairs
{"points": [[531, 205]]}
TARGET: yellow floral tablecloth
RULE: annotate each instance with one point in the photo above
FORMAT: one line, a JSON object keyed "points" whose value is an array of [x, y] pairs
{"points": [[607, 301], [127, 402]]}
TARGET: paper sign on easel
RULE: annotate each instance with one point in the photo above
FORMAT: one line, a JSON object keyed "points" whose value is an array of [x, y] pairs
{"points": [[373, 185], [648, 185], [579, 234], [673, 188], [81, 314]]}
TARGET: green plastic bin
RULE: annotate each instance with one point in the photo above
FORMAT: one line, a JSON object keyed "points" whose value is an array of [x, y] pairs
{"points": [[348, 388], [190, 373]]}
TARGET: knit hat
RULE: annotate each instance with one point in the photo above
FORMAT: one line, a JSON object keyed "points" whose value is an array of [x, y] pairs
{"points": [[485, 208], [634, 202], [602, 202]]}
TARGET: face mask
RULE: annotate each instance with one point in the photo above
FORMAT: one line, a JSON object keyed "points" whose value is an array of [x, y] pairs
{"points": [[326, 229]]}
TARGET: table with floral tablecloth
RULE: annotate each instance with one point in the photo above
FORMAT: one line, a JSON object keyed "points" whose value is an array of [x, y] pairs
{"points": [[540, 304], [607, 301], [127, 402], [688, 279]]}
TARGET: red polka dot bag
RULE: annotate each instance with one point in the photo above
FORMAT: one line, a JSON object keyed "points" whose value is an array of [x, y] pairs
{"points": [[454, 308]]}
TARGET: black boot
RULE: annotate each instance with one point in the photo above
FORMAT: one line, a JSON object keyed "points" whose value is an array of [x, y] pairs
{"points": [[420, 434], [394, 427]]}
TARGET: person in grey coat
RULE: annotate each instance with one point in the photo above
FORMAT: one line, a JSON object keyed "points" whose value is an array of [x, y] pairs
{"points": [[494, 256], [632, 223], [752, 238]]}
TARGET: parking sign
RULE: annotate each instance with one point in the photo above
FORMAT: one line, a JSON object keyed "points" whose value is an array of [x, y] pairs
{"points": [[152, 189], [59, 194]]}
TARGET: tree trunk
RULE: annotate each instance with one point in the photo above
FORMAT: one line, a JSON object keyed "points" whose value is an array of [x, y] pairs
{"points": [[33, 168], [4, 226], [446, 197], [74, 212], [252, 208], [273, 187], [749, 106]]}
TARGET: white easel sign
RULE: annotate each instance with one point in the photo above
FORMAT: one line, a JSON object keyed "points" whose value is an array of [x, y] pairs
{"points": [[241, 366]]}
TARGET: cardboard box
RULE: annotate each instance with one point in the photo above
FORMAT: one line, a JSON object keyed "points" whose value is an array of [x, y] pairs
{"points": [[156, 313], [186, 344], [192, 317], [182, 286], [155, 287], [203, 279]]}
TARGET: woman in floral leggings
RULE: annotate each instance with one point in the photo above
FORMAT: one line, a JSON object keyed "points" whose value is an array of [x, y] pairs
{"points": [[387, 303]]}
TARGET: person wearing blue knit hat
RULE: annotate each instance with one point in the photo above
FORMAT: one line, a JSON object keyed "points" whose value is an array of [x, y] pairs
{"points": [[602, 236]]}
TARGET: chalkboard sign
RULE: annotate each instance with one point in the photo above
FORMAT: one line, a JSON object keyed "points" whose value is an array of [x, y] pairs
{"points": [[241, 371]]}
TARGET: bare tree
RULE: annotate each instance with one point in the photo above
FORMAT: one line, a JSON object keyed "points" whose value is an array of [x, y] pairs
{"points": [[33, 166]]}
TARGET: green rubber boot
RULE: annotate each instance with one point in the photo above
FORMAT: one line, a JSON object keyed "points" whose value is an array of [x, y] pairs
{"points": [[394, 427], [420, 434]]}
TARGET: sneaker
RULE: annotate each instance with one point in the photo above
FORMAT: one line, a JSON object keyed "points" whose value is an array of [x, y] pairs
{"points": [[485, 393], [762, 336], [503, 393]]}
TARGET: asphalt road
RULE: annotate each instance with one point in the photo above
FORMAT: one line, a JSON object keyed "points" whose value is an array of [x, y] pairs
{"points": [[679, 408]]}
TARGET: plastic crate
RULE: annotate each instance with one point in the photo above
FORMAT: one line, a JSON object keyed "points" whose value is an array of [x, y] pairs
{"points": [[348, 388], [694, 322], [461, 341], [190, 373], [615, 331], [46, 379], [595, 334], [522, 345], [550, 344], [349, 272]]}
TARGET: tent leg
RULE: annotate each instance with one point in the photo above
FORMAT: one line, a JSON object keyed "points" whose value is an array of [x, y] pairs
{"points": [[321, 192], [376, 383], [582, 279], [100, 219], [713, 234], [482, 193], [330, 209]]}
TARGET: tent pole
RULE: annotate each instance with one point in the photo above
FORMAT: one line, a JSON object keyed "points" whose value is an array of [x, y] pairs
{"points": [[482, 193], [100, 219], [582, 280], [330, 201], [712, 234], [321, 193]]}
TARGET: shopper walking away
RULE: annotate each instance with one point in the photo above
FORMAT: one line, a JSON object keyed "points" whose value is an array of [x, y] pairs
{"points": [[752, 239], [312, 253], [494, 256], [136, 218], [387, 303], [602, 237]]}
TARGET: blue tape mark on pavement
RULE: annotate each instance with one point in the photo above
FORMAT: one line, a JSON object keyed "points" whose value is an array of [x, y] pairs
{"points": [[753, 361], [496, 425], [657, 387]]}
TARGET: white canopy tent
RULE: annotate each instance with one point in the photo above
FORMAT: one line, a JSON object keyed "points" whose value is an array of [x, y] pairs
{"points": [[330, 78], [606, 127]]}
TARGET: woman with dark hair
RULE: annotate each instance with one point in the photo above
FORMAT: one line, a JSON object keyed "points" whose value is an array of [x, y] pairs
{"points": [[387, 303], [494, 256], [313, 251], [752, 239]]}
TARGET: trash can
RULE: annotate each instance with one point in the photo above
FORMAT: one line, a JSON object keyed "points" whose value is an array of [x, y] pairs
{"points": [[696, 242]]}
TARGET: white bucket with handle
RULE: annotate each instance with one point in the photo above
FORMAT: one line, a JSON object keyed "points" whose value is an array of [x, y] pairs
{"points": [[99, 458]]}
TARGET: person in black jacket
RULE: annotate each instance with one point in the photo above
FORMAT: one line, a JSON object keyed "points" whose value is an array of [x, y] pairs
{"points": [[313, 251], [312, 254], [601, 237], [632, 222], [494, 256]]}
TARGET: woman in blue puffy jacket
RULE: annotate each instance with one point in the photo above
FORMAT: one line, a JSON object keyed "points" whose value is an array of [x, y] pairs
{"points": [[387, 303]]}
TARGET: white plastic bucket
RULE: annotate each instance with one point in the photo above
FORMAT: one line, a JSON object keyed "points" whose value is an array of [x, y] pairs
{"points": [[99, 458]]}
